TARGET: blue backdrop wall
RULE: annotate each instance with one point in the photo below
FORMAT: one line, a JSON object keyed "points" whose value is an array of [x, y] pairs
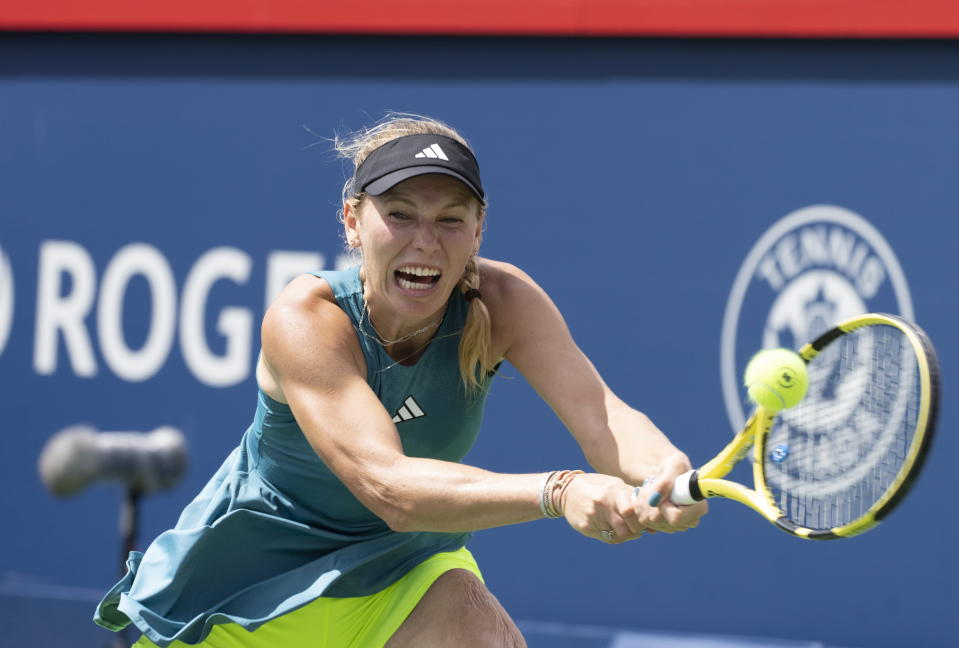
{"points": [[670, 195]]}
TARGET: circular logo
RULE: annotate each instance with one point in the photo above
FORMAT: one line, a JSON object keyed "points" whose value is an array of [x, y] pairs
{"points": [[6, 299], [786, 377], [811, 269]]}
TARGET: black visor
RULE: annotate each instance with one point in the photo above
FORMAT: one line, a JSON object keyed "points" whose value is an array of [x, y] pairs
{"points": [[413, 155]]}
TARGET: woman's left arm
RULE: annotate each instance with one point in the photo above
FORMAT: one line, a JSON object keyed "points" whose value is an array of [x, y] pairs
{"points": [[616, 439]]}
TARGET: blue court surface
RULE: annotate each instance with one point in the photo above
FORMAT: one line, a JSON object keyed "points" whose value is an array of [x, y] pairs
{"points": [[34, 614]]}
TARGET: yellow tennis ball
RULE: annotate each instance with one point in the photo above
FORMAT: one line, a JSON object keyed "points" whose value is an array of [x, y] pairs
{"points": [[776, 379]]}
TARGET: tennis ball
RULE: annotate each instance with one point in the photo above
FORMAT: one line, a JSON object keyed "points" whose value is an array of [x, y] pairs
{"points": [[776, 379]]}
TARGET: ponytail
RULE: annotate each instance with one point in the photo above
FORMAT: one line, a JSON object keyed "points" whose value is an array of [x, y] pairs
{"points": [[476, 340]]}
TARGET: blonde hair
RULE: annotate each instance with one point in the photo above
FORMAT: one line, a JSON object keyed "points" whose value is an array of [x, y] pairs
{"points": [[475, 348]]}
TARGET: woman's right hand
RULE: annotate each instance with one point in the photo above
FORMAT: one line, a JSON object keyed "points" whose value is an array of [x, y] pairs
{"points": [[602, 507]]}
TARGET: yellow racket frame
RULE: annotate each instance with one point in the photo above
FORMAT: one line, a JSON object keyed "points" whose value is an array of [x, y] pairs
{"points": [[755, 432]]}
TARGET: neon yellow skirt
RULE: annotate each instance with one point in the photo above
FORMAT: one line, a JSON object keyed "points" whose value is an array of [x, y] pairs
{"points": [[355, 622]]}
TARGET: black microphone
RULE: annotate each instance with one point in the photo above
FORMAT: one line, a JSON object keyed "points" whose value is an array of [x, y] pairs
{"points": [[79, 456]]}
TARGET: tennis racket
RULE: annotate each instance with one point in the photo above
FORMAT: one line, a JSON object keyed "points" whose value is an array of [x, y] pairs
{"points": [[836, 464]]}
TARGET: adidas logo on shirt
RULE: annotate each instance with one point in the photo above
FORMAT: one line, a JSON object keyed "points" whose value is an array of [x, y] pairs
{"points": [[410, 409], [432, 151]]}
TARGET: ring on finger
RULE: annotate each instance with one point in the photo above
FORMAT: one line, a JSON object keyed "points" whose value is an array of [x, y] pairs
{"points": [[608, 534]]}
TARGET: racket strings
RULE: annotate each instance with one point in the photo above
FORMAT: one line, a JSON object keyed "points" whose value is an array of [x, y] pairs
{"points": [[829, 460]]}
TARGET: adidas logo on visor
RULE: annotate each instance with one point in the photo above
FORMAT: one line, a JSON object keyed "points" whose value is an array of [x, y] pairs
{"points": [[432, 151]]}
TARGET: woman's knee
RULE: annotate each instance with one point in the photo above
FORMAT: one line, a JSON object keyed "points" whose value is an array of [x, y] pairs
{"points": [[476, 613], [459, 608]]}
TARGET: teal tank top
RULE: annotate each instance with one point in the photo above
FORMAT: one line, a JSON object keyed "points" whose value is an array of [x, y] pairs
{"points": [[274, 528]]}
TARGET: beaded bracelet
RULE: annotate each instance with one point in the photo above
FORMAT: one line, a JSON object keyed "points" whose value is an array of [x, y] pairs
{"points": [[546, 497], [551, 508], [543, 491]]}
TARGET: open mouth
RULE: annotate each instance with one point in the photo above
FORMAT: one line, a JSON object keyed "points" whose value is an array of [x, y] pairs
{"points": [[416, 277]]}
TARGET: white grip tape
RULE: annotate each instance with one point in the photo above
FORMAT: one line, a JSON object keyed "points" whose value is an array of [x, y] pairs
{"points": [[681, 494]]}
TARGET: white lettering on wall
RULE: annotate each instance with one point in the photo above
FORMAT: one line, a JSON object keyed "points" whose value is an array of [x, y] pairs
{"points": [[283, 266], [145, 260], [68, 291], [64, 313], [6, 299], [820, 246], [234, 323]]}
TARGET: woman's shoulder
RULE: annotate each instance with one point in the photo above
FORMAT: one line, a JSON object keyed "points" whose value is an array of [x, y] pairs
{"points": [[505, 282], [305, 330], [519, 308], [510, 294], [307, 293], [307, 306]]}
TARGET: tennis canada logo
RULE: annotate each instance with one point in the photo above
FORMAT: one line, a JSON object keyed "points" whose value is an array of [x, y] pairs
{"points": [[6, 299], [811, 269]]}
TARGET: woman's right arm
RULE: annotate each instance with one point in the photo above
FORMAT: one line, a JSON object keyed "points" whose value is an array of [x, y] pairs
{"points": [[311, 351]]}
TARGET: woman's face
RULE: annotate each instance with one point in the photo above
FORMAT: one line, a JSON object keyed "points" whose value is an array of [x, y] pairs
{"points": [[415, 239]]}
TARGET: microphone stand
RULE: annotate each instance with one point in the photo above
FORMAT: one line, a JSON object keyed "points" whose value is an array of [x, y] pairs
{"points": [[129, 525]]}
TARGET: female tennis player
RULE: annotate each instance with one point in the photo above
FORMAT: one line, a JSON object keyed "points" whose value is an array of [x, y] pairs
{"points": [[341, 519]]}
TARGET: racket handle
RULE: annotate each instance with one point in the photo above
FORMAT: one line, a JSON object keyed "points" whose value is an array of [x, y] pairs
{"points": [[686, 489]]}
